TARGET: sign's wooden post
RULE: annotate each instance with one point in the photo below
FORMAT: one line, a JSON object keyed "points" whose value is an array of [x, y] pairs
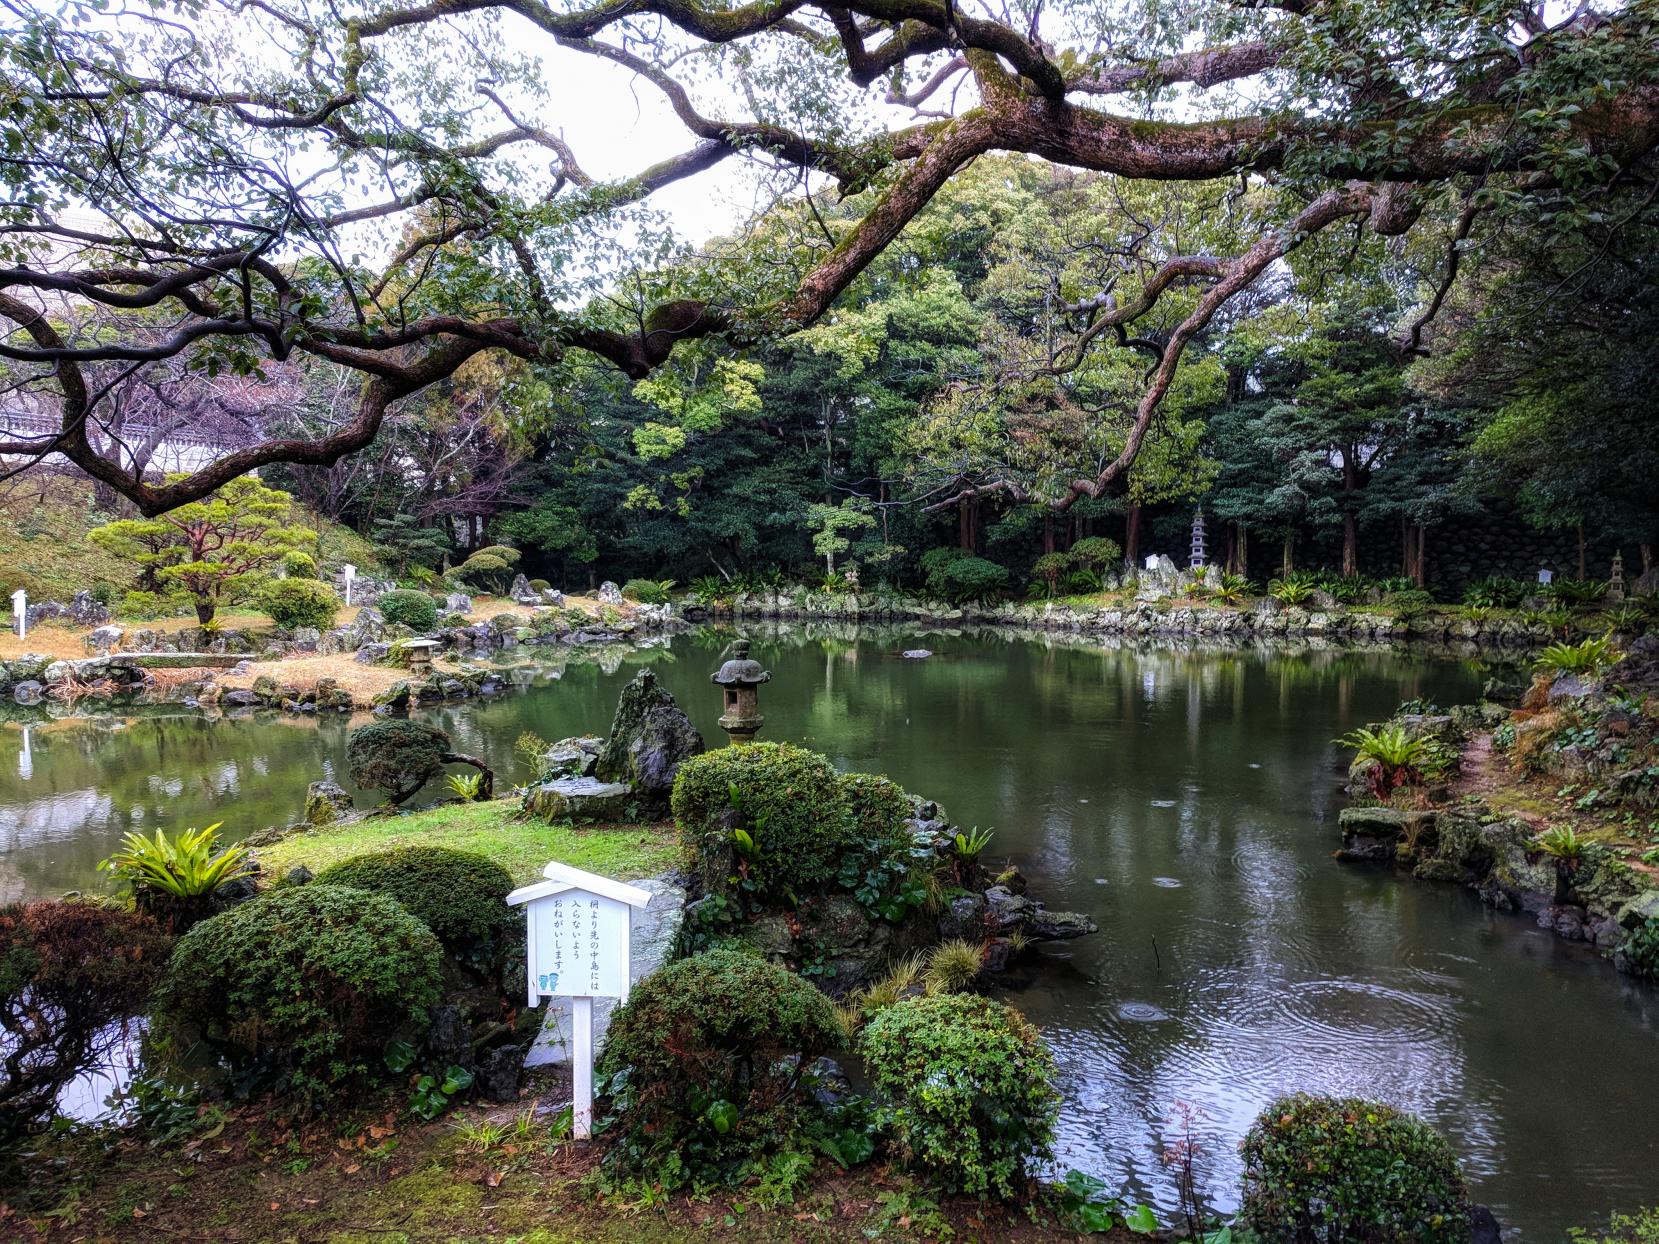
{"points": [[579, 928]]}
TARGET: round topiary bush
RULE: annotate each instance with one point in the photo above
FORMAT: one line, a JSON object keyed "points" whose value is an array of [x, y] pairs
{"points": [[701, 1067], [71, 971], [298, 564], [790, 801], [457, 894], [1318, 1170], [302, 988], [416, 610], [292, 603], [965, 1084], [1096, 552], [397, 757]]}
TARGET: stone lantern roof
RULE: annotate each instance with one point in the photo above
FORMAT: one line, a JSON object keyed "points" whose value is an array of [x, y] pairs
{"points": [[741, 670]]}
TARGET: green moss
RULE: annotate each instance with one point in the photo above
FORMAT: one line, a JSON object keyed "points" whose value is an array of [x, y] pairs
{"points": [[488, 829]]}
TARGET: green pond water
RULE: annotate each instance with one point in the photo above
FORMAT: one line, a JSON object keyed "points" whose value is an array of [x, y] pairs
{"points": [[1186, 800]]}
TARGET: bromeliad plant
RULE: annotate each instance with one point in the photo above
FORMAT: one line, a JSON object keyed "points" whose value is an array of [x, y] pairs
{"points": [[173, 878], [1394, 757], [1290, 591]]}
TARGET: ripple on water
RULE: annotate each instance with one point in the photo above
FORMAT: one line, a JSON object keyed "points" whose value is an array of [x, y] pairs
{"points": [[1166, 883], [1142, 1013], [1163, 803]]}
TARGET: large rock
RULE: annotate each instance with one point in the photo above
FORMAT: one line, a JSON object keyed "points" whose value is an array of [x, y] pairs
{"points": [[649, 738], [581, 799], [573, 757], [609, 593], [522, 593], [1373, 835], [460, 602]]}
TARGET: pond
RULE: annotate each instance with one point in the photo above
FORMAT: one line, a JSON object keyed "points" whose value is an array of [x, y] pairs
{"points": [[1184, 799]]}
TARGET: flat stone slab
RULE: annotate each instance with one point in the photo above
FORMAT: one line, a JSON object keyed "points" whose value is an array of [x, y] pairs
{"points": [[580, 799], [177, 660], [654, 931]]}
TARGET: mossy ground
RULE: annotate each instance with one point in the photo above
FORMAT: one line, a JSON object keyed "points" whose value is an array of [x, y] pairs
{"points": [[379, 1176], [491, 829]]}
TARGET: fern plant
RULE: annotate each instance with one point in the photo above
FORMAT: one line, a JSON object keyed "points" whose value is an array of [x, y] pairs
{"points": [[173, 877], [1585, 657], [1562, 843], [1290, 591], [466, 786], [1395, 757]]}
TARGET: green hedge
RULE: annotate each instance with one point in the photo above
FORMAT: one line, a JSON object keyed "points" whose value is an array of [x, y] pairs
{"points": [[292, 603], [965, 1084], [416, 610], [698, 1066], [301, 989], [1319, 1170], [459, 895], [803, 815]]}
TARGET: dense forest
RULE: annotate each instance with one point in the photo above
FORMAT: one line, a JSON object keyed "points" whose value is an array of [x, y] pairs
{"points": [[923, 414]]}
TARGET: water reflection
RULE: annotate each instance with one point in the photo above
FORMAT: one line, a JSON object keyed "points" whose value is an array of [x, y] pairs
{"points": [[1185, 800]]}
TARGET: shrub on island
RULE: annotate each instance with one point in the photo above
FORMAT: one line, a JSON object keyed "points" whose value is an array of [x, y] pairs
{"points": [[298, 564], [70, 971], [299, 602], [800, 815], [1318, 1170], [965, 1086], [702, 1066], [459, 895], [301, 989], [416, 610]]}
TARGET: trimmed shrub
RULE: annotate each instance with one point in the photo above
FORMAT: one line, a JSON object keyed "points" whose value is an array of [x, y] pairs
{"points": [[963, 577], [702, 1065], [1097, 553], [791, 801], [540, 585], [301, 989], [416, 610], [299, 602], [1319, 1170], [964, 1083], [648, 591], [457, 894], [298, 564], [396, 757], [70, 971]]}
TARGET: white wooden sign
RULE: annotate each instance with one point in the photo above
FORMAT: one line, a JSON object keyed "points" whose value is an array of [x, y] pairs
{"points": [[351, 577], [578, 928], [20, 611]]}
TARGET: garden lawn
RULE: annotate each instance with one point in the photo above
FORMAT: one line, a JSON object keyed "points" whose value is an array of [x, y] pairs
{"points": [[523, 848]]}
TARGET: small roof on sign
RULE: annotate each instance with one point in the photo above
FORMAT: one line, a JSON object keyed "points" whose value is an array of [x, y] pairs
{"points": [[562, 877]]}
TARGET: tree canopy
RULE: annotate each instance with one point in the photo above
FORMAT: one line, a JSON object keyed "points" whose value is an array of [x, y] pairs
{"points": [[223, 188]]}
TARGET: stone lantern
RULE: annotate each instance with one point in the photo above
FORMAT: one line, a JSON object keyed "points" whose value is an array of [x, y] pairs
{"points": [[738, 678]]}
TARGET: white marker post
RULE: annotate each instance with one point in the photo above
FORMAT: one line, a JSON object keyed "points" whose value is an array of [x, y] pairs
{"points": [[351, 577], [20, 611], [579, 926]]}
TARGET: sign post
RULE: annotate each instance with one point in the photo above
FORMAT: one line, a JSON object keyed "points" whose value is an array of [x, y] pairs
{"points": [[351, 577], [20, 611], [579, 926]]}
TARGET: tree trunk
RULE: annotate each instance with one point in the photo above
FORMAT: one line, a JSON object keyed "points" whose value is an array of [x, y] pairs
{"points": [[964, 526], [1647, 557], [205, 610], [1286, 565], [1583, 569], [1350, 545], [1243, 551], [1132, 536], [1048, 532], [1405, 548], [1420, 566]]}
